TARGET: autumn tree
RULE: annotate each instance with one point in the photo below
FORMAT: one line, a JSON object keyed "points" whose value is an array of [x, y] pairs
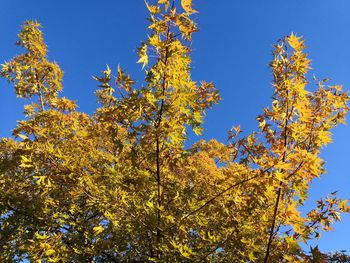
{"points": [[120, 186]]}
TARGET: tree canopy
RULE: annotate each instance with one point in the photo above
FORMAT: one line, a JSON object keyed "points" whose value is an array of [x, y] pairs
{"points": [[120, 185]]}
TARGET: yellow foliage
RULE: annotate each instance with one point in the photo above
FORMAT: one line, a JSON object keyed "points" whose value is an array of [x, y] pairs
{"points": [[123, 184]]}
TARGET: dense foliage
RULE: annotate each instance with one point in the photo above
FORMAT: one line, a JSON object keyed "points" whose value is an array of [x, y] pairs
{"points": [[120, 185]]}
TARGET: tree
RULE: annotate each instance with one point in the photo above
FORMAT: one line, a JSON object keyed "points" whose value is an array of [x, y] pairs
{"points": [[120, 185]]}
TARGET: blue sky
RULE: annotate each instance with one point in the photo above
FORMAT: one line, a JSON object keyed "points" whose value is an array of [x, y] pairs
{"points": [[232, 49]]}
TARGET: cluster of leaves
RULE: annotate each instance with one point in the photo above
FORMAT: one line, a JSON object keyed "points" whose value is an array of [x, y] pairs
{"points": [[316, 255], [120, 186]]}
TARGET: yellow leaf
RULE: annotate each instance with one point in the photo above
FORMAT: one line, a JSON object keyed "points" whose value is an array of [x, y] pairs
{"points": [[41, 180], [185, 254], [198, 130], [49, 252], [23, 137], [343, 206], [150, 204], [143, 57], [153, 9], [107, 72], [295, 42], [187, 6], [41, 237], [98, 229], [280, 177], [325, 137]]}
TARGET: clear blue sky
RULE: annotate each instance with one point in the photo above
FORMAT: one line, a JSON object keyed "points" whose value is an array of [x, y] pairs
{"points": [[232, 49]]}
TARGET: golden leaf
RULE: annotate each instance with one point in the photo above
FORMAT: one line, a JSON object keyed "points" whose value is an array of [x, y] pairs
{"points": [[187, 6]]}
